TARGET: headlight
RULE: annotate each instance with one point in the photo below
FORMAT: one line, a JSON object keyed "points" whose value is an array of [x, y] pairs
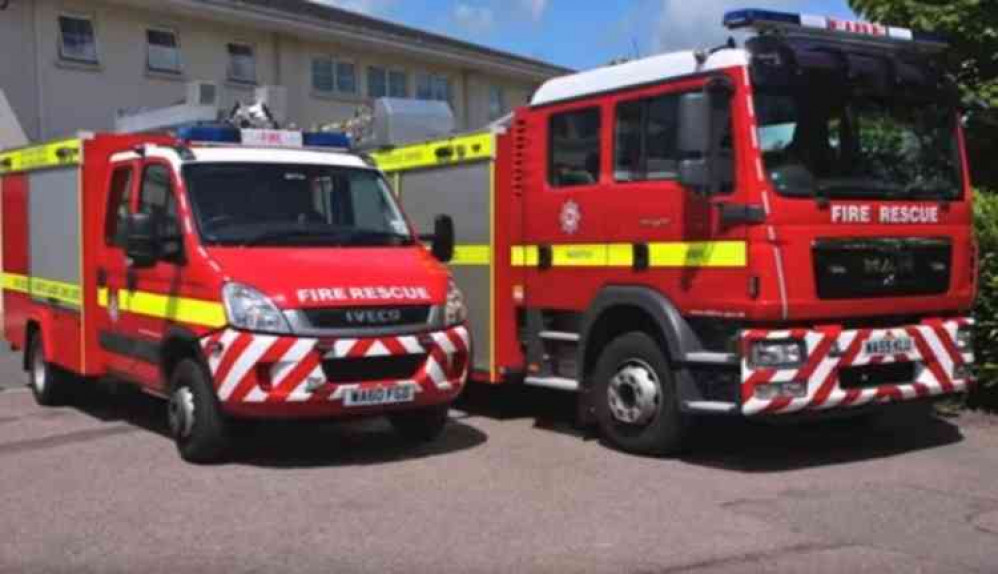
{"points": [[777, 354], [965, 338], [251, 310], [455, 311]]}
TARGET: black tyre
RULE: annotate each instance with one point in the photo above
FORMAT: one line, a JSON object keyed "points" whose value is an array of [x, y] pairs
{"points": [[635, 397], [195, 417], [424, 425], [49, 384]]}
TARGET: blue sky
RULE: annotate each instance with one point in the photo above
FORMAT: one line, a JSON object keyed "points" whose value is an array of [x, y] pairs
{"points": [[579, 33]]}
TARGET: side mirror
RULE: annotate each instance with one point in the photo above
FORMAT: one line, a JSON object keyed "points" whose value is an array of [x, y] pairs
{"points": [[693, 174], [443, 238], [142, 245], [694, 124]]}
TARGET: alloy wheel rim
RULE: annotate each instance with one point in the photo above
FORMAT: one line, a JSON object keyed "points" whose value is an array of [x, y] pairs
{"points": [[38, 372], [181, 412], [634, 394]]}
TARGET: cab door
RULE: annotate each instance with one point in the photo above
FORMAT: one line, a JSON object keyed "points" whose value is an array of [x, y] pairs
{"points": [[112, 269], [146, 289]]}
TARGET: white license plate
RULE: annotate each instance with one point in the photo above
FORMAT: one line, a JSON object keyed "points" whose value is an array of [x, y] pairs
{"points": [[889, 346], [379, 396]]}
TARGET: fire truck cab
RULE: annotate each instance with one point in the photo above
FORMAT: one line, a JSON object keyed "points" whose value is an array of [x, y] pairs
{"points": [[254, 274], [783, 227]]}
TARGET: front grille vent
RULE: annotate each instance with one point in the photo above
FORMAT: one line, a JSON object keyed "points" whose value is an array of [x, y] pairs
{"points": [[881, 268]]}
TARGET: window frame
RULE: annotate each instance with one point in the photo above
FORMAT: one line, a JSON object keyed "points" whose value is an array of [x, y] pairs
{"points": [[405, 83], [503, 107], [177, 46], [598, 107], [311, 72], [229, 67], [368, 75], [645, 102], [356, 77], [178, 258], [63, 56], [432, 77]]}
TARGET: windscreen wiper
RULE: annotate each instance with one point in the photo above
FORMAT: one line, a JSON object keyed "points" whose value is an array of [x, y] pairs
{"points": [[278, 235]]}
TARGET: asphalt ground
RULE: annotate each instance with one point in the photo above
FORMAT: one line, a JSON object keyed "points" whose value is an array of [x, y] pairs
{"points": [[511, 487]]}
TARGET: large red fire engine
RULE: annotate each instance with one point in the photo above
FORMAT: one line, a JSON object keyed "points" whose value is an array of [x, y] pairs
{"points": [[780, 228], [236, 279]]}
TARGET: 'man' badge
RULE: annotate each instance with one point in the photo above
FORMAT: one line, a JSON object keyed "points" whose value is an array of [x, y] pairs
{"points": [[571, 217]]}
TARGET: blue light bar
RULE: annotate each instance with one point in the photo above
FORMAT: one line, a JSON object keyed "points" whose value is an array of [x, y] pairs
{"points": [[826, 26], [209, 133]]}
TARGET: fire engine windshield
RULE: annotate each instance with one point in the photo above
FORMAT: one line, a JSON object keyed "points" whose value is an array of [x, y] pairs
{"points": [[846, 132], [252, 204]]}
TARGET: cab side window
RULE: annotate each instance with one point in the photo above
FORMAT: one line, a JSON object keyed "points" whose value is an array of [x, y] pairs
{"points": [[647, 133], [157, 199], [119, 200], [574, 148]]}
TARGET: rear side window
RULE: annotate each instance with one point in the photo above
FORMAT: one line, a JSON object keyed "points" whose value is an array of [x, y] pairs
{"points": [[119, 199], [647, 134], [574, 148], [157, 199]]}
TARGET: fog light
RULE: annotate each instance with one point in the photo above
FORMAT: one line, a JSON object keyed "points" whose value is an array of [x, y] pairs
{"points": [[965, 338], [782, 354], [791, 390]]}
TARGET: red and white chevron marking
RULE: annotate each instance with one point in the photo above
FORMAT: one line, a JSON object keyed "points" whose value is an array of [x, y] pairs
{"points": [[831, 349], [253, 368]]}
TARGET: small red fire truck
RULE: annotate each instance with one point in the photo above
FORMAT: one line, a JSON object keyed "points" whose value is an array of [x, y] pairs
{"points": [[234, 278], [774, 229]]}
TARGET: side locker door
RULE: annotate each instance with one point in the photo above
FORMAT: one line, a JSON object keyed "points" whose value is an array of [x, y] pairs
{"points": [[112, 269], [148, 291], [563, 219]]}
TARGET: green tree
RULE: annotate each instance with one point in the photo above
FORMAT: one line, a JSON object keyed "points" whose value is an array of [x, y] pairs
{"points": [[971, 27]]}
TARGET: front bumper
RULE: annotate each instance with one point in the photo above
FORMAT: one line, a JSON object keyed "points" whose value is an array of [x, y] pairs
{"points": [[267, 376], [839, 372]]}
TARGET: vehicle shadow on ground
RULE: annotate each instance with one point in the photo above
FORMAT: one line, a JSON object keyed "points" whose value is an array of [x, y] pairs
{"points": [[740, 445], [288, 444]]}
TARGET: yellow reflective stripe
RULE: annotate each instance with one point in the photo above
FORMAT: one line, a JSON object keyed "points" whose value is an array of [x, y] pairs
{"points": [[45, 288], [698, 254], [448, 151], [525, 256], [102, 297], [176, 309], [15, 282], [63, 152], [472, 255], [661, 255], [578, 255]]}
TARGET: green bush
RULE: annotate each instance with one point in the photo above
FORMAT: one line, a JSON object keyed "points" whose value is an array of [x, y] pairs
{"points": [[986, 313]]}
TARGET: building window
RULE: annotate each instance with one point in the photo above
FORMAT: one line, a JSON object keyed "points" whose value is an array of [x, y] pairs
{"points": [[574, 148], [77, 41], [377, 82], [242, 63], [433, 87], [162, 51], [398, 84], [497, 102], [346, 77], [330, 75], [323, 75]]}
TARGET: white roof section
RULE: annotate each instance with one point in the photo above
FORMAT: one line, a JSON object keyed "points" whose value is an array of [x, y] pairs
{"points": [[636, 73], [236, 154]]}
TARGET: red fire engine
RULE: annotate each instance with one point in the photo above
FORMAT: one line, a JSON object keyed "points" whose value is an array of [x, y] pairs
{"points": [[780, 228], [235, 280]]}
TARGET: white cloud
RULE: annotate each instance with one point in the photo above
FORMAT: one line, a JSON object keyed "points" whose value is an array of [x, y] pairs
{"points": [[688, 24], [474, 19], [370, 7], [535, 8]]}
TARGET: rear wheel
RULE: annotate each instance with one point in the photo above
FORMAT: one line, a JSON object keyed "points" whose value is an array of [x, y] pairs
{"points": [[424, 425], [636, 400], [48, 383], [194, 415]]}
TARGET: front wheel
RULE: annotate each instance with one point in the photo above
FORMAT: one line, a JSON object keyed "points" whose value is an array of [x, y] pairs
{"points": [[194, 416], [636, 400], [424, 425]]}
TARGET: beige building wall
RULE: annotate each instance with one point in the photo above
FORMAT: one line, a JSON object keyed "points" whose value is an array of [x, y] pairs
{"points": [[53, 97]]}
